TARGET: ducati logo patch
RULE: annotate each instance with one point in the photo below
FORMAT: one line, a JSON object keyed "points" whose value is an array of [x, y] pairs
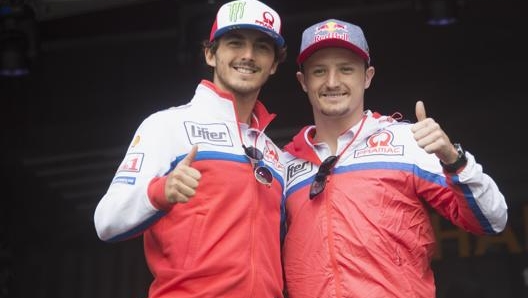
{"points": [[380, 144]]}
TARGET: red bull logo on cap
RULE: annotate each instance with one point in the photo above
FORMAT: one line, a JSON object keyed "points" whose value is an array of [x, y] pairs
{"points": [[330, 27], [331, 30]]}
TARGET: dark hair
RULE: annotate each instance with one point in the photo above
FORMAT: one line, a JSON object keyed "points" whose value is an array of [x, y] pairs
{"points": [[280, 53]]}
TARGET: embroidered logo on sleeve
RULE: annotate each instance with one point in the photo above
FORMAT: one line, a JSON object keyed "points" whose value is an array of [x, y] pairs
{"points": [[125, 180], [131, 163], [136, 141], [380, 144]]}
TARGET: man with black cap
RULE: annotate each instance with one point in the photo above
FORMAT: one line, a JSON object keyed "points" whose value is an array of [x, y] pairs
{"points": [[359, 185], [202, 182]]}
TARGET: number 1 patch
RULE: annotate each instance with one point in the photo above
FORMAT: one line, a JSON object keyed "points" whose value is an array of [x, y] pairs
{"points": [[132, 163]]}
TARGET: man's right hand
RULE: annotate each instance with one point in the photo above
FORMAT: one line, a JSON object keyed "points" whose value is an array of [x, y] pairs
{"points": [[430, 136], [182, 182]]}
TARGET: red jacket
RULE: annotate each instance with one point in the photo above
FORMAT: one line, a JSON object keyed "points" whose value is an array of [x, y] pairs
{"points": [[225, 242], [368, 234]]}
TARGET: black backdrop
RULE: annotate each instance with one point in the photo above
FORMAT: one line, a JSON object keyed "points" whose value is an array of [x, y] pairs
{"points": [[98, 75]]}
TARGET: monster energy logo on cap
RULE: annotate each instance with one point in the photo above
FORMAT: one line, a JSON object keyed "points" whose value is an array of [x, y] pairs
{"points": [[236, 11], [247, 14]]}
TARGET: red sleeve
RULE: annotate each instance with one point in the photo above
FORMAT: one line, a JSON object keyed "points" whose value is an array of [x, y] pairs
{"points": [[156, 194]]}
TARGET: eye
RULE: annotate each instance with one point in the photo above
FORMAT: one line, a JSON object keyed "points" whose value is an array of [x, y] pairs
{"points": [[347, 69], [318, 71], [264, 46], [234, 42]]}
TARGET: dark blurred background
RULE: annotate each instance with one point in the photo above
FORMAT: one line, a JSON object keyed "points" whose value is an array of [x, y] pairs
{"points": [[95, 69]]}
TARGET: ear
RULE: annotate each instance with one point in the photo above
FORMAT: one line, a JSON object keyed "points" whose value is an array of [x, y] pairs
{"points": [[301, 78], [210, 57], [369, 74], [273, 69]]}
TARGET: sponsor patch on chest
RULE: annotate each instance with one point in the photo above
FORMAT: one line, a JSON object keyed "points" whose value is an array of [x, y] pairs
{"points": [[380, 143], [297, 169], [210, 133]]}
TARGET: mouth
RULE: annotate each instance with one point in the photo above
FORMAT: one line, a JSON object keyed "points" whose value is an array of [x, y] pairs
{"points": [[331, 95], [246, 69]]}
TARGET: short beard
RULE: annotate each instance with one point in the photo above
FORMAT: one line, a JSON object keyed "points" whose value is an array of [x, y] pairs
{"points": [[335, 112]]}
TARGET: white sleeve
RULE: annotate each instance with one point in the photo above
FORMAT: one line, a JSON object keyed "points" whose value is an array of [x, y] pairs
{"points": [[125, 209], [486, 193]]}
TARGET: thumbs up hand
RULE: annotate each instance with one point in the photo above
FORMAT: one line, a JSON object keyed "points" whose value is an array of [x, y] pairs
{"points": [[182, 182], [430, 136], [420, 111]]}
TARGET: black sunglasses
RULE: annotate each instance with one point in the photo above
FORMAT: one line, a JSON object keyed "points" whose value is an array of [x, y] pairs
{"points": [[262, 173], [319, 182]]}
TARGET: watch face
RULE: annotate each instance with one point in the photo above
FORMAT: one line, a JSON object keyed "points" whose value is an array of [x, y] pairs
{"points": [[459, 149]]}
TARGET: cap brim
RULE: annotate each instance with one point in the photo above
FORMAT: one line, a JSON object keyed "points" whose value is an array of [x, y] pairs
{"points": [[331, 42], [278, 39]]}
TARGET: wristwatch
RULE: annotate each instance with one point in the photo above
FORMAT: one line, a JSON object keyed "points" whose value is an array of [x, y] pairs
{"points": [[459, 163]]}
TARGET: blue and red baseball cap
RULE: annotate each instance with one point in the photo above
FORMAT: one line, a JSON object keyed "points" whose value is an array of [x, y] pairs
{"points": [[333, 33]]}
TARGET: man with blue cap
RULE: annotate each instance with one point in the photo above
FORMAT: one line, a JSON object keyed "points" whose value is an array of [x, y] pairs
{"points": [[360, 185]]}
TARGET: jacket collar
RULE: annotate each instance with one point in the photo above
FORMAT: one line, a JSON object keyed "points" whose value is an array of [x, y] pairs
{"points": [[261, 117], [302, 144]]}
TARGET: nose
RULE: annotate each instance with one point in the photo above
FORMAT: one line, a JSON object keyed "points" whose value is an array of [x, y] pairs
{"points": [[332, 79], [248, 51]]}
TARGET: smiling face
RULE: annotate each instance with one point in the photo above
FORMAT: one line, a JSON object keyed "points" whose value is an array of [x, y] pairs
{"points": [[335, 80], [243, 62]]}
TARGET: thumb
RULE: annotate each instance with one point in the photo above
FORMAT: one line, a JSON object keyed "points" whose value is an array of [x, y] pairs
{"points": [[190, 156], [420, 111]]}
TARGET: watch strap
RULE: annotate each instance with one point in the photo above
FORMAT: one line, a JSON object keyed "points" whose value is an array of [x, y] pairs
{"points": [[459, 163]]}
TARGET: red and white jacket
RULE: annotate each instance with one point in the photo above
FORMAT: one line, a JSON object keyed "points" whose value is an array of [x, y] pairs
{"points": [[225, 242], [368, 234]]}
